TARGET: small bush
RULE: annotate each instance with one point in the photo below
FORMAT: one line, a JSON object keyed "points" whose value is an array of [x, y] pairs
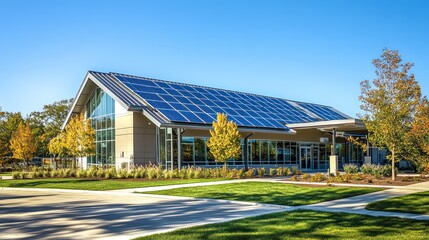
{"points": [[318, 177], [261, 172], [350, 168], [286, 171], [295, 170], [294, 178], [366, 168], [306, 176]]}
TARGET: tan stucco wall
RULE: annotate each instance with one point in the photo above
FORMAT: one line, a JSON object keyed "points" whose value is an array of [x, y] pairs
{"points": [[135, 137], [144, 140]]}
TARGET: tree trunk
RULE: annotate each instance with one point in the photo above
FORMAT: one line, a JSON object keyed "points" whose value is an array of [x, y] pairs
{"points": [[393, 164]]}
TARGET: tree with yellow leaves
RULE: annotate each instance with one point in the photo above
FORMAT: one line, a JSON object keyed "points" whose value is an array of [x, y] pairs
{"points": [[389, 104], [419, 136], [80, 137], [58, 146], [22, 143], [224, 142]]}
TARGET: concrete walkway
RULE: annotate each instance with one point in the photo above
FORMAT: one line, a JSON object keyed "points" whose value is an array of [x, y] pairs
{"points": [[357, 204], [71, 214]]}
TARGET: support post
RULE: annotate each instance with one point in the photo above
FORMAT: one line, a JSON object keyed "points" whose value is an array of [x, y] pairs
{"points": [[246, 152], [368, 159], [179, 148], [333, 159]]}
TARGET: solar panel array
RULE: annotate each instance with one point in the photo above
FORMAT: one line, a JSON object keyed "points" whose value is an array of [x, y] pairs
{"points": [[195, 104], [109, 82], [324, 112]]}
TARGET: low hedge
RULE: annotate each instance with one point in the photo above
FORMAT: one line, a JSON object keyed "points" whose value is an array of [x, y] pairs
{"points": [[151, 172]]}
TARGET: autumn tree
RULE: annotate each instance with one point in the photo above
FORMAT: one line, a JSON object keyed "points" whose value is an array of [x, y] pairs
{"points": [[224, 142], [80, 137], [419, 135], [22, 143], [47, 124], [58, 146], [9, 123], [389, 104]]}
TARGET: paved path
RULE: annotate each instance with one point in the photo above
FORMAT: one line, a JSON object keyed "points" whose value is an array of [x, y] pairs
{"points": [[67, 214], [357, 204]]}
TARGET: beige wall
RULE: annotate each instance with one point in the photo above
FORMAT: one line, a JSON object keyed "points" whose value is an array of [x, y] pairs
{"points": [[135, 137], [144, 140]]}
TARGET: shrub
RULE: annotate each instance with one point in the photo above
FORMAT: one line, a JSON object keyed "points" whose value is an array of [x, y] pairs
{"points": [[294, 178], [250, 173], [16, 175], [279, 171], [287, 171], [350, 168], [306, 176], [272, 172], [81, 173], [318, 177], [366, 168], [358, 177], [295, 171], [261, 172]]}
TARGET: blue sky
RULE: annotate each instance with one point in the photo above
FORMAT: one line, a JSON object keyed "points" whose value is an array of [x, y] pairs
{"points": [[313, 51]]}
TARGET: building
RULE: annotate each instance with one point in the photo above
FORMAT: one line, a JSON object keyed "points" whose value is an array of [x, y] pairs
{"points": [[142, 120]]}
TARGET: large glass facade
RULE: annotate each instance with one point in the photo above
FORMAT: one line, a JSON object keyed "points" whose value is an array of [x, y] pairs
{"points": [[100, 109], [306, 155]]}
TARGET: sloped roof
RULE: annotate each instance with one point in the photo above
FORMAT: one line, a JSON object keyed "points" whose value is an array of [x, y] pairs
{"points": [[170, 102]]}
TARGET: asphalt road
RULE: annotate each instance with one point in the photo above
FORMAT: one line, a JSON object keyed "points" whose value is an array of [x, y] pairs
{"points": [[53, 214]]}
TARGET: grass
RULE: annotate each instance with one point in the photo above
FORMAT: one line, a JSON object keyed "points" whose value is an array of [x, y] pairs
{"points": [[303, 224], [413, 203], [273, 193], [95, 184], [6, 174]]}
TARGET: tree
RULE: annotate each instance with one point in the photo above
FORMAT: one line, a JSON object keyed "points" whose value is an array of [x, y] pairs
{"points": [[58, 146], [22, 143], [389, 104], [80, 137], [47, 123], [419, 135], [224, 142], [9, 123]]}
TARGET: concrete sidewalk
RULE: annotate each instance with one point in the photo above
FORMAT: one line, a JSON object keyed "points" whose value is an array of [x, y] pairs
{"points": [[357, 204], [55, 214]]}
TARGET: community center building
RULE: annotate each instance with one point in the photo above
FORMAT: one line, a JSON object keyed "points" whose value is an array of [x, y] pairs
{"points": [[141, 121]]}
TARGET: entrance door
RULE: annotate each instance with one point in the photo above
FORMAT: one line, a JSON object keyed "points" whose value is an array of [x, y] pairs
{"points": [[305, 157]]}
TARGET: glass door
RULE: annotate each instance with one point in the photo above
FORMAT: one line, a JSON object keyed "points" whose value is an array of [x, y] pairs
{"points": [[305, 157]]}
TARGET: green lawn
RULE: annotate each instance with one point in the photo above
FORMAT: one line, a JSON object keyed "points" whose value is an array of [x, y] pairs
{"points": [[6, 174], [305, 225], [91, 184], [412, 203], [273, 193]]}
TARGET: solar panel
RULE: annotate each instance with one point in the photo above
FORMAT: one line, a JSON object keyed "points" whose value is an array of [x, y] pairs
{"points": [[324, 112], [195, 104]]}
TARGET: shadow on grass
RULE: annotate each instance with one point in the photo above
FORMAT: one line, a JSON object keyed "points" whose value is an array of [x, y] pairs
{"points": [[271, 193], [303, 224]]}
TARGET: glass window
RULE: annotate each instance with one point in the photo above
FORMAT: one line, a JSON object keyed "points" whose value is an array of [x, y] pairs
{"points": [[280, 152], [101, 113], [200, 151], [293, 153], [272, 154], [264, 152]]}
